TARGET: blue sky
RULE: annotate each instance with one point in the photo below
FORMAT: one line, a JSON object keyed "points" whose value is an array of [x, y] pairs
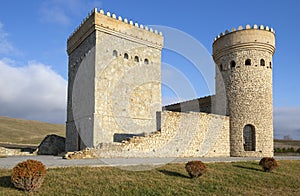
{"points": [[33, 59]]}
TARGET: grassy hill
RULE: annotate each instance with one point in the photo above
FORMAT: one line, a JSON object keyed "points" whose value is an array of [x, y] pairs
{"points": [[22, 131]]}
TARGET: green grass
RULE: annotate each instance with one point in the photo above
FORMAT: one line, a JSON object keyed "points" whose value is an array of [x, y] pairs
{"points": [[21, 131], [242, 178]]}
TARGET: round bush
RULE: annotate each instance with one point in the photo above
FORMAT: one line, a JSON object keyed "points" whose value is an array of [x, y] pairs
{"points": [[195, 169], [268, 164], [28, 175]]}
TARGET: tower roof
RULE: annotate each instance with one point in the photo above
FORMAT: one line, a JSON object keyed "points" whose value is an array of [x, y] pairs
{"points": [[259, 37]]}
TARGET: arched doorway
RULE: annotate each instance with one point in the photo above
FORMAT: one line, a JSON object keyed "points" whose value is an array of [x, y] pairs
{"points": [[249, 138]]}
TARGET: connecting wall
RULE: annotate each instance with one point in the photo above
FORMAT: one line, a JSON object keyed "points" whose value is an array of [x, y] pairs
{"points": [[191, 134]]}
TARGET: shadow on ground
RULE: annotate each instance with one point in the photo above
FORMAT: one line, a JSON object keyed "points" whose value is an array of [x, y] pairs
{"points": [[5, 182], [171, 173], [249, 168]]}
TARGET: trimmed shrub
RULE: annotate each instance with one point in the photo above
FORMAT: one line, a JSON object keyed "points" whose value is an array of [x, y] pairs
{"points": [[28, 175], [268, 164], [195, 169]]}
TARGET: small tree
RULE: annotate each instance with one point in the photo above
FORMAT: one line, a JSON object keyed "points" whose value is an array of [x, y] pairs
{"points": [[28, 175], [195, 169], [268, 164]]}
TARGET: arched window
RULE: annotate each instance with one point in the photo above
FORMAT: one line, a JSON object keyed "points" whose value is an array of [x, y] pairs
{"points": [[126, 56], [270, 64], [249, 138], [146, 61], [248, 62], [115, 53], [221, 67], [262, 62], [136, 59], [232, 64]]}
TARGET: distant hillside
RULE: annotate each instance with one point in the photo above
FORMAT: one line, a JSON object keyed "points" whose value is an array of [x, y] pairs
{"points": [[287, 144], [22, 131]]}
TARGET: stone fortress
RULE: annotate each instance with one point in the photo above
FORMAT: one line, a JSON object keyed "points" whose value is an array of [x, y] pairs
{"points": [[114, 94]]}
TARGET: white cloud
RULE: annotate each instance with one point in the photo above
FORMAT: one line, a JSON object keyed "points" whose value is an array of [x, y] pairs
{"points": [[54, 15], [5, 46], [34, 92], [62, 11], [287, 122]]}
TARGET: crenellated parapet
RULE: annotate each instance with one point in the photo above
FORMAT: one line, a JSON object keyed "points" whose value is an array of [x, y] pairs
{"points": [[110, 23], [240, 28], [259, 37]]}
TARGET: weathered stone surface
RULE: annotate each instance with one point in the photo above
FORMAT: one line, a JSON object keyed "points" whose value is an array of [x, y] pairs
{"points": [[12, 152], [83, 154], [182, 135], [52, 145]]}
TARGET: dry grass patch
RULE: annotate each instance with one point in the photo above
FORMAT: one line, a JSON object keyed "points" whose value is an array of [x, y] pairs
{"points": [[22, 131], [242, 178]]}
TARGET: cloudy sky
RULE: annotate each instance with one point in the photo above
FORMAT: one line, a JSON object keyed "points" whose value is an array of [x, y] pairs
{"points": [[33, 59]]}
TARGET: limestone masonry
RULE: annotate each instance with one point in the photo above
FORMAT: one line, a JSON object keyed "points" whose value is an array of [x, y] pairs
{"points": [[114, 94]]}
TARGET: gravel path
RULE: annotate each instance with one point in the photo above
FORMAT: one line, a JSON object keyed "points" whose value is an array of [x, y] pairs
{"points": [[131, 163]]}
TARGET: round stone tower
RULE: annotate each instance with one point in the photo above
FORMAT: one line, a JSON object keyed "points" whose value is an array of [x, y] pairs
{"points": [[243, 60]]}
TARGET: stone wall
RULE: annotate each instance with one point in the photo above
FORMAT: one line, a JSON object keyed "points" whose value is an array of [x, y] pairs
{"points": [[12, 152], [80, 104], [203, 104], [182, 135], [128, 87]]}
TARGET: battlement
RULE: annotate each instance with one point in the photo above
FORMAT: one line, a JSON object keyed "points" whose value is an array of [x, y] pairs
{"points": [[116, 25], [258, 37], [240, 28]]}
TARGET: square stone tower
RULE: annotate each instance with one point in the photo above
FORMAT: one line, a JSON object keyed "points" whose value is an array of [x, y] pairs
{"points": [[114, 80]]}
